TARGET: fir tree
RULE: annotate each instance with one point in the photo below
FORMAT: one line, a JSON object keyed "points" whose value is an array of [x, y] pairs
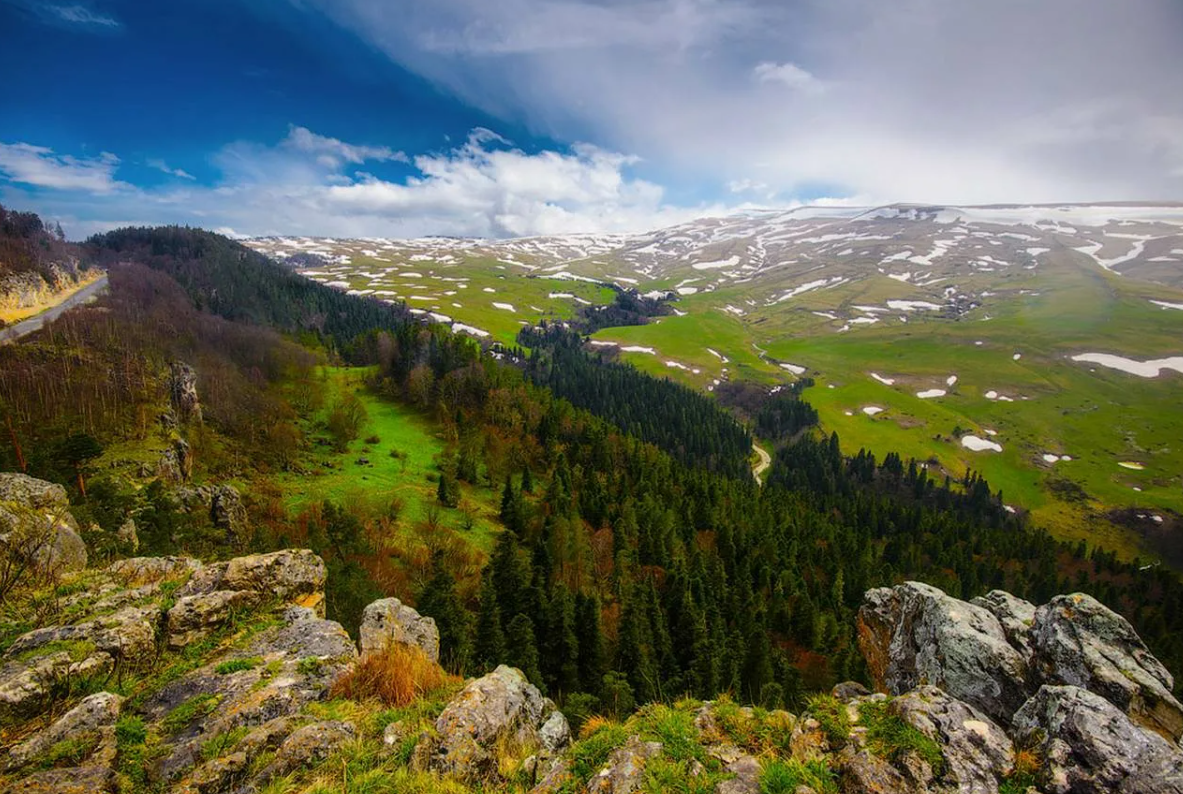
{"points": [[523, 649], [490, 637]]}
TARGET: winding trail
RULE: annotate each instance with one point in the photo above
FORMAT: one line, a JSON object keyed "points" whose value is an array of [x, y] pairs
{"points": [[35, 323], [762, 466]]}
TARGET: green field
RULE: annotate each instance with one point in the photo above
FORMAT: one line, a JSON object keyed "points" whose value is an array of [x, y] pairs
{"points": [[371, 488]]}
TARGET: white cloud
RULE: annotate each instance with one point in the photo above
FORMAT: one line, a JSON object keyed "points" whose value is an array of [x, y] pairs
{"points": [[923, 100], [41, 167], [160, 165], [332, 152], [484, 188], [789, 74]]}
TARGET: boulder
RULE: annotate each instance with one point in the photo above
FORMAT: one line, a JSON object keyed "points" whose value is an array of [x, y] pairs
{"points": [[914, 634], [1014, 614], [1080, 642], [501, 707], [390, 621], [977, 752], [307, 747], [36, 524], [88, 717], [294, 576], [625, 770], [194, 617], [1089, 746]]}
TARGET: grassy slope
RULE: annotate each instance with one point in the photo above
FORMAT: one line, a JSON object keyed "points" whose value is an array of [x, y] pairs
{"points": [[370, 488]]}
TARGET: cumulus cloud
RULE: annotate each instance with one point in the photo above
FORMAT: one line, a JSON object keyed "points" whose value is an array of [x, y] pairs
{"points": [[161, 165], [310, 184], [42, 167], [925, 100]]}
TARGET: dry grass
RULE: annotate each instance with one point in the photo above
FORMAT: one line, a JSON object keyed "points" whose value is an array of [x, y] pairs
{"points": [[593, 724], [396, 677]]}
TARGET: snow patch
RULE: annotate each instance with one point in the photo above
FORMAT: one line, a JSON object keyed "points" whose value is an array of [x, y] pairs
{"points": [[930, 393], [1144, 369], [975, 444]]}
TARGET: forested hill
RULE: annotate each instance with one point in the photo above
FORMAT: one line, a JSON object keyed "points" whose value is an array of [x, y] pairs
{"points": [[625, 574]]}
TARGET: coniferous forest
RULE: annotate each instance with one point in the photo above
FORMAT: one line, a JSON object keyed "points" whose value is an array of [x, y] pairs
{"points": [[638, 561]]}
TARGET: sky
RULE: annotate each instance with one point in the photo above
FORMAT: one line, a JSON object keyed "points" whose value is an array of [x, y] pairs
{"points": [[496, 118]]}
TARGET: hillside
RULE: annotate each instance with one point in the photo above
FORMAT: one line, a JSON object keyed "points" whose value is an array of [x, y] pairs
{"points": [[38, 268], [170, 675], [1036, 345]]}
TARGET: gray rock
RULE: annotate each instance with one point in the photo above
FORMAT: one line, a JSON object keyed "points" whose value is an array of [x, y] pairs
{"points": [[175, 465], [36, 525], [499, 707], [26, 685], [74, 780], [308, 746], [228, 513], [1015, 615], [914, 634], [127, 534], [194, 617], [182, 392], [91, 714], [867, 773], [295, 576], [746, 777], [128, 633], [625, 770], [1079, 641], [1089, 746], [977, 752], [390, 621], [555, 733]]}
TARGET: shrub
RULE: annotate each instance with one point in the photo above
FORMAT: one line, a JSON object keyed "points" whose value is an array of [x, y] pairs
{"points": [[372, 440], [831, 714], [888, 736], [396, 677]]}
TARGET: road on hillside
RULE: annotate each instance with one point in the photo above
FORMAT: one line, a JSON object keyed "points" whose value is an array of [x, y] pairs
{"points": [[34, 323], [765, 462]]}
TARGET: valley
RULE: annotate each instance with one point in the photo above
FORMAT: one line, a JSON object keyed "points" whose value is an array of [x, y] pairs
{"points": [[964, 337]]}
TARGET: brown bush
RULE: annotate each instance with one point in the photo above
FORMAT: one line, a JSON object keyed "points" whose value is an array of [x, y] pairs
{"points": [[396, 677]]}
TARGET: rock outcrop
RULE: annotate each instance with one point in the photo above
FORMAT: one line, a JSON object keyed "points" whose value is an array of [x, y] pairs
{"points": [[914, 634], [36, 526], [182, 392], [390, 621], [1096, 707], [498, 708]]}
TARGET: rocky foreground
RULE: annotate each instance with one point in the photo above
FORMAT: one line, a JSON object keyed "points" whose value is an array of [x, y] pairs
{"points": [[169, 675]]}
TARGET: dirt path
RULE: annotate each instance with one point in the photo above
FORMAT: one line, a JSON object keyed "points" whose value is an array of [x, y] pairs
{"points": [[34, 323], [765, 462]]}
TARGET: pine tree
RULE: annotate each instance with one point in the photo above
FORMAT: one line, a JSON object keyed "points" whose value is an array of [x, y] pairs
{"points": [[440, 601], [593, 654], [490, 637], [510, 579], [523, 649], [561, 644]]}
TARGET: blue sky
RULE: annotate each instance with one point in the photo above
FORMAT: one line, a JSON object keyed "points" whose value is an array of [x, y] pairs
{"points": [[470, 117]]}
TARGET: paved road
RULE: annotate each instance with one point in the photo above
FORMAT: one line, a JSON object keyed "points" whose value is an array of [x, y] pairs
{"points": [[34, 323], [765, 462]]}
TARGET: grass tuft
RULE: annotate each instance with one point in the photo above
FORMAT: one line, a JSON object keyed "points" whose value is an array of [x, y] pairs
{"points": [[396, 677]]}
